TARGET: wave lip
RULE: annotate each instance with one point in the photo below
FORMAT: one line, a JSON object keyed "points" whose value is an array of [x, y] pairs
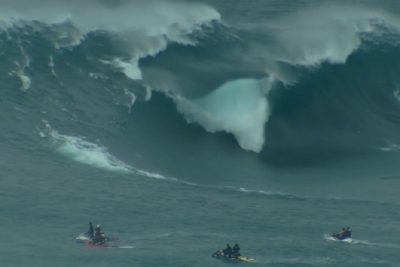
{"points": [[329, 33], [139, 28]]}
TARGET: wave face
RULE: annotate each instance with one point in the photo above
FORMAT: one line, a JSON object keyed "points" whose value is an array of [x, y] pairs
{"points": [[317, 80]]}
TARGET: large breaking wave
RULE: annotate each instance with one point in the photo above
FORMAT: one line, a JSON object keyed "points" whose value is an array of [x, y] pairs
{"points": [[320, 79]]}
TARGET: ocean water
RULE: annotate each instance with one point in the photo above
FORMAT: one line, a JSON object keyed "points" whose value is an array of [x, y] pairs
{"points": [[180, 126]]}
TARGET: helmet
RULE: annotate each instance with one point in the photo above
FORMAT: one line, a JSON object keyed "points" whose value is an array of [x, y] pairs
{"points": [[98, 226]]}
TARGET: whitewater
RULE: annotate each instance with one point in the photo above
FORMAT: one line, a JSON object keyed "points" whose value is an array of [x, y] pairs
{"points": [[181, 126]]}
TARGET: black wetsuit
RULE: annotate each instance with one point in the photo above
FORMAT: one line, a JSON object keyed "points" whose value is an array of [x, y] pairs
{"points": [[236, 251], [228, 251], [90, 232], [99, 239]]}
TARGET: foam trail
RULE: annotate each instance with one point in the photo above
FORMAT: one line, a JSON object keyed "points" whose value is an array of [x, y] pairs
{"points": [[268, 193], [363, 242], [390, 147], [88, 153], [238, 107]]}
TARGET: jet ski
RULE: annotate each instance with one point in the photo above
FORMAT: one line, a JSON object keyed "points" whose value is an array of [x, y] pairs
{"points": [[86, 237], [104, 245], [344, 238], [219, 254]]}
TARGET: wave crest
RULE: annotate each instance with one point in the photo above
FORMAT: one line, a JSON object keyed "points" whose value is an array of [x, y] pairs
{"points": [[238, 107]]}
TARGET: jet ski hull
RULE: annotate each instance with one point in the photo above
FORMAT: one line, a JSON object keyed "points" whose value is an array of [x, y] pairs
{"points": [[220, 255], [83, 238], [104, 245], [337, 237], [346, 240]]}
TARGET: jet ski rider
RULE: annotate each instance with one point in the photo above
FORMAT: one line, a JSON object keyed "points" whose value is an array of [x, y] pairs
{"points": [[100, 237], [344, 232], [235, 251], [228, 251], [90, 232]]}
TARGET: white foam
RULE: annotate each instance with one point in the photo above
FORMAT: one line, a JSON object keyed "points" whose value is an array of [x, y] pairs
{"points": [[396, 95], [98, 76], [390, 147], [85, 152], [77, 149], [146, 26], [327, 33], [238, 107], [148, 93], [130, 69], [128, 99], [364, 242], [19, 72], [26, 81], [91, 15], [126, 247], [51, 65], [51, 62], [268, 193]]}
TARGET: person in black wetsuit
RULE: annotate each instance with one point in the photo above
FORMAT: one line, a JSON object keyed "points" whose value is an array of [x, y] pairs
{"points": [[347, 233], [228, 251], [343, 233], [236, 250], [100, 237], [91, 231]]}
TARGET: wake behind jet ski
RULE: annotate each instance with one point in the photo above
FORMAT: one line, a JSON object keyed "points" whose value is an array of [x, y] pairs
{"points": [[230, 254]]}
